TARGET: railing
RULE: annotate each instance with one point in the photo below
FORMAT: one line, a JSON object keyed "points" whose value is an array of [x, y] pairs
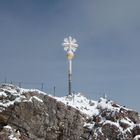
{"points": [[32, 85]]}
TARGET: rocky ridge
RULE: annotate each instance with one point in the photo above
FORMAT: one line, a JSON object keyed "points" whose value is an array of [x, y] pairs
{"points": [[34, 115]]}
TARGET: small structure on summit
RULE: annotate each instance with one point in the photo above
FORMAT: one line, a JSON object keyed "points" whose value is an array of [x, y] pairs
{"points": [[70, 47]]}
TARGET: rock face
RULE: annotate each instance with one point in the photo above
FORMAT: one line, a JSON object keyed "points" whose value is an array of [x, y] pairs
{"points": [[39, 116], [116, 123], [34, 115]]}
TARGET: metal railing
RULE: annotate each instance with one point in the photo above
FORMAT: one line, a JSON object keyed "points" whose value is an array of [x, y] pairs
{"points": [[31, 85]]}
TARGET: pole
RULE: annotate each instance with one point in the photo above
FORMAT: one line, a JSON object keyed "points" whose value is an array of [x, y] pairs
{"points": [[5, 80], [19, 84], [42, 86], [54, 91], [70, 47], [70, 77]]}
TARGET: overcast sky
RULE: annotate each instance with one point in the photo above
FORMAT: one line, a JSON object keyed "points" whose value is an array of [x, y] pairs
{"points": [[106, 61]]}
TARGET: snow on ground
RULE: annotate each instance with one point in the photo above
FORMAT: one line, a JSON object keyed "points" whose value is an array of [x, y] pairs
{"points": [[9, 94], [131, 127], [78, 101], [11, 133], [113, 123], [81, 103], [106, 104], [22, 90], [94, 109], [89, 107], [137, 137], [34, 97], [127, 121]]}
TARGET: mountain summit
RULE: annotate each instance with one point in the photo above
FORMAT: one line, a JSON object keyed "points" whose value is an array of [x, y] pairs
{"points": [[27, 114]]}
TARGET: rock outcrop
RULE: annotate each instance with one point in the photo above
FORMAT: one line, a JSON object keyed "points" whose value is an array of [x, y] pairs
{"points": [[114, 122], [38, 116], [34, 115]]}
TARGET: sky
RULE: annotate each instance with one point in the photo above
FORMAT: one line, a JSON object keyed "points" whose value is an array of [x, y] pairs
{"points": [[107, 58]]}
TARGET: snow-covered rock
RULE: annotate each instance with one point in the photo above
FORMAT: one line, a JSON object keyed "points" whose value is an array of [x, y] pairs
{"points": [[105, 118], [33, 114], [81, 103], [137, 137], [9, 133]]}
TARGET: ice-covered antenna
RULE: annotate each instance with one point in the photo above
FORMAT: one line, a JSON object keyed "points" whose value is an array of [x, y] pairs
{"points": [[70, 47]]}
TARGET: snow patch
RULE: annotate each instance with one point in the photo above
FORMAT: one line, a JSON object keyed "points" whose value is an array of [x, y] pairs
{"points": [[81, 103], [34, 97], [9, 94], [137, 137], [89, 125], [126, 121], [12, 133]]}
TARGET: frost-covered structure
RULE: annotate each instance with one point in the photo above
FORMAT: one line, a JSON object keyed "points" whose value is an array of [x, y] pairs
{"points": [[70, 44], [70, 47], [34, 115]]}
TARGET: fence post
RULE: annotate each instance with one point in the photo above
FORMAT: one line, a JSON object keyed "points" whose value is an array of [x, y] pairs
{"points": [[5, 80], [42, 86], [54, 91], [19, 84]]}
